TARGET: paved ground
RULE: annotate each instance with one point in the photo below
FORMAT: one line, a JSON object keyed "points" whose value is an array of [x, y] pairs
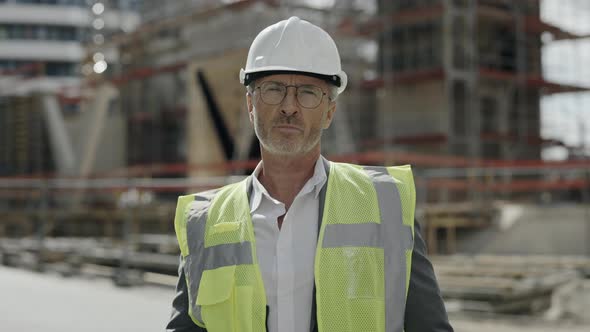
{"points": [[47, 302], [519, 325]]}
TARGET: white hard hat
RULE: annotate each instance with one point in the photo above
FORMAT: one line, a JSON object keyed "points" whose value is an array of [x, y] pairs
{"points": [[294, 45]]}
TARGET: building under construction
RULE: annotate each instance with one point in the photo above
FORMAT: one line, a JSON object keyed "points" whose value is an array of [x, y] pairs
{"points": [[180, 89], [431, 83], [436, 77], [454, 78], [24, 145], [89, 175], [463, 77]]}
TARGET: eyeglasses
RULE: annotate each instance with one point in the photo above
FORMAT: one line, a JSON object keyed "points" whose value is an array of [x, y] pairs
{"points": [[308, 96]]}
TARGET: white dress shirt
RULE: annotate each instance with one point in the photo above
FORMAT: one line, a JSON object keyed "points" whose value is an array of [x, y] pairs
{"points": [[286, 257]]}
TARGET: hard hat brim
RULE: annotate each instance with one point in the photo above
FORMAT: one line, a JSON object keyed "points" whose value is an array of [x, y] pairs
{"points": [[331, 79]]}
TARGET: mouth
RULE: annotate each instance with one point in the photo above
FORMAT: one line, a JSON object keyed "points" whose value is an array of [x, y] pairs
{"points": [[288, 128]]}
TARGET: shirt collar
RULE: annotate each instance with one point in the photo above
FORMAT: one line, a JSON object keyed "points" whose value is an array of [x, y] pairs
{"points": [[315, 184]]}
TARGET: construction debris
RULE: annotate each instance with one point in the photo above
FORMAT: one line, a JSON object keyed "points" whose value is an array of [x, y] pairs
{"points": [[506, 284], [571, 302], [450, 217], [126, 262], [477, 284]]}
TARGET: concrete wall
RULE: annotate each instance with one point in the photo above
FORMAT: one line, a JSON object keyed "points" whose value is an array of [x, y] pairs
{"points": [[99, 134], [415, 109]]}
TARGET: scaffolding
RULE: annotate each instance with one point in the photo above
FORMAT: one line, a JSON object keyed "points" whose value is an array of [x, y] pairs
{"points": [[452, 87], [487, 55], [24, 147], [173, 83], [453, 78]]}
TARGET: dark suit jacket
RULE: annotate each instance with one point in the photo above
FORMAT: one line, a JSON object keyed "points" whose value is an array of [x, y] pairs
{"points": [[425, 311]]}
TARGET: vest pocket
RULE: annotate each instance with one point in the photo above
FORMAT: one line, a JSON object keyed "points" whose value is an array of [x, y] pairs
{"points": [[217, 300], [243, 308], [225, 306]]}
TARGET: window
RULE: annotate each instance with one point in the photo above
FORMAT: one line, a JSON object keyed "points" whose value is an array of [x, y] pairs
{"points": [[40, 32], [31, 68], [490, 124], [60, 69], [459, 102], [77, 3], [459, 53]]}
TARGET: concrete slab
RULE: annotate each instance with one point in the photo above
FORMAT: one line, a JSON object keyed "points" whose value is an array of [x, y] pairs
{"points": [[465, 324], [51, 303]]}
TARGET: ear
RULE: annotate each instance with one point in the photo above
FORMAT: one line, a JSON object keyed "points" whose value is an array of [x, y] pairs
{"points": [[250, 106], [330, 114]]}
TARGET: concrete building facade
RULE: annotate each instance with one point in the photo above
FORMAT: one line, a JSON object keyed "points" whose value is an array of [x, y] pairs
{"points": [[463, 78], [43, 125], [42, 41]]}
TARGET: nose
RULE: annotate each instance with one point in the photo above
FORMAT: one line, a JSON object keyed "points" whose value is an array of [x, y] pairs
{"points": [[290, 106]]}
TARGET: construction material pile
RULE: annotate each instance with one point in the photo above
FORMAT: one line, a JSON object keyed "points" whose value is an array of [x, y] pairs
{"points": [[506, 284], [146, 254]]}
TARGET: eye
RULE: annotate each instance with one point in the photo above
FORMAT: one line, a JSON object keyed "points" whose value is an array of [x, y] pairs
{"points": [[273, 87], [308, 90]]}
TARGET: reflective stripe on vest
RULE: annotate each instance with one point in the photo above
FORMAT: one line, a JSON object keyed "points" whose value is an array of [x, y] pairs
{"points": [[192, 209], [362, 260]]}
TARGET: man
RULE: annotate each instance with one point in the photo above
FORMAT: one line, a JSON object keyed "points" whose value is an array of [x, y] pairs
{"points": [[303, 244]]}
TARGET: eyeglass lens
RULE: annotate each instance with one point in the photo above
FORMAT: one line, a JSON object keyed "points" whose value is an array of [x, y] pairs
{"points": [[308, 96]]}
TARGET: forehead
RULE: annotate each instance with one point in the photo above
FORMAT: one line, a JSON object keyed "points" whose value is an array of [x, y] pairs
{"points": [[295, 79]]}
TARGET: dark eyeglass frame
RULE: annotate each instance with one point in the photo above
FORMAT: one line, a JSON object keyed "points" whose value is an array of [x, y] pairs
{"points": [[259, 87]]}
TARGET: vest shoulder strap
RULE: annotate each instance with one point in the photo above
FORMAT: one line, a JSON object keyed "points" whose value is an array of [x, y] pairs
{"points": [[188, 207], [404, 180]]}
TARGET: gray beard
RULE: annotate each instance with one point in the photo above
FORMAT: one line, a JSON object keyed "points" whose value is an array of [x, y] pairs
{"points": [[286, 148]]}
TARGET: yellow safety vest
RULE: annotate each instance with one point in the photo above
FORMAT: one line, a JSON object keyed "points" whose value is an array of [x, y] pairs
{"points": [[362, 262]]}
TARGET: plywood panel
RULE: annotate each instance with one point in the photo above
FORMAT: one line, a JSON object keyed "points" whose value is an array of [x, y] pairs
{"points": [[222, 75]]}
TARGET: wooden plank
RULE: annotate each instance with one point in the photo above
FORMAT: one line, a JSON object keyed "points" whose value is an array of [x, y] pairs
{"points": [[516, 261], [493, 271], [504, 284]]}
